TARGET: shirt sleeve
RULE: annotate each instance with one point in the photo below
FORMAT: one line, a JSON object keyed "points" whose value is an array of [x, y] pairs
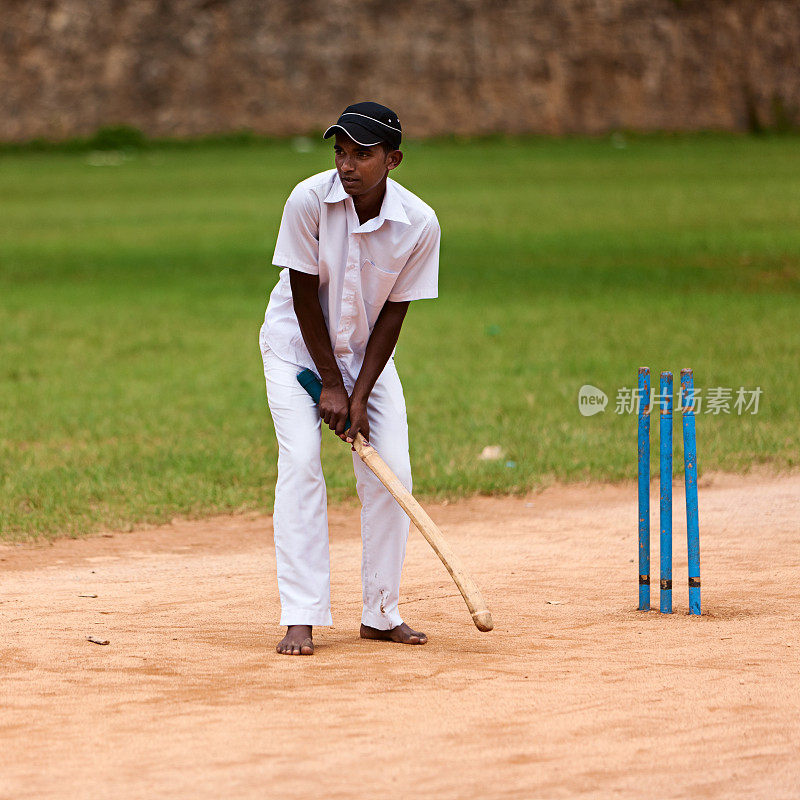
{"points": [[419, 278], [297, 246]]}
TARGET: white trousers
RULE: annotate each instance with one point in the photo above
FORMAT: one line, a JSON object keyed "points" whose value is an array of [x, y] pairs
{"points": [[300, 518]]}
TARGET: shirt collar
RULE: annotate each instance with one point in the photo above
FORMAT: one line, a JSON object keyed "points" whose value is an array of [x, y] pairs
{"points": [[391, 208], [336, 193]]}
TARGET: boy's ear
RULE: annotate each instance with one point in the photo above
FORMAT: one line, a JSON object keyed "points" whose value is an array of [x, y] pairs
{"points": [[393, 158]]}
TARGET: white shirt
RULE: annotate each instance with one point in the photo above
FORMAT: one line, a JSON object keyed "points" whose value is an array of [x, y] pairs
{"points": [[394, 256]]}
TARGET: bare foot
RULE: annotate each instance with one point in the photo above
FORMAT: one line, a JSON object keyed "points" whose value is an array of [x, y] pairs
{"points": [[402, 633], [297, 641]]}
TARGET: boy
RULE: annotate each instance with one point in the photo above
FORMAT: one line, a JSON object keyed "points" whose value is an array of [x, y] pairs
{"points": [[355, 248]]}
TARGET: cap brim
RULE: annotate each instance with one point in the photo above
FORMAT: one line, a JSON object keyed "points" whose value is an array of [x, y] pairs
{"points": [[358, 133]]}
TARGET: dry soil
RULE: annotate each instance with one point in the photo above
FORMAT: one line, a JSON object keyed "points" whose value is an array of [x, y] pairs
{"points": [[574, 694]]}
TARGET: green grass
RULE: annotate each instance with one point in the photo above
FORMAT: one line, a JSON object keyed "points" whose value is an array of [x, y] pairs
{"points": [[131, 294]]}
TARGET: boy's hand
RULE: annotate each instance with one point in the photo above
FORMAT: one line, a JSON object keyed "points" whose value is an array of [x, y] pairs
{"points": [[334, 407], [358, 420]]}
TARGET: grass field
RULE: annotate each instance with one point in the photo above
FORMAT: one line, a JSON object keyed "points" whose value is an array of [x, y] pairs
{"points": [[132, 290]]}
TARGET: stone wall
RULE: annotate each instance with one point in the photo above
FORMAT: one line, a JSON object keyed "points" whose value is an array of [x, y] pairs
{"points": [[191, 67]]}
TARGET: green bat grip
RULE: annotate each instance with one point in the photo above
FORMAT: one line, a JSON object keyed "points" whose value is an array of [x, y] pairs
{"points": [[313, 385]]}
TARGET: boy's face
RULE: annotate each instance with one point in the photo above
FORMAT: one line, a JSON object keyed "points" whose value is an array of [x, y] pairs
{"points": [[362, 168]]}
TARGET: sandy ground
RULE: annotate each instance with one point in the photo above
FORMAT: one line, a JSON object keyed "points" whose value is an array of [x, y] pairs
{"points": [[574, 694]]}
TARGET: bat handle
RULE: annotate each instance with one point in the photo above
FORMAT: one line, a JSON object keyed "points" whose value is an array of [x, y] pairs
{"points": [[313, 385]]}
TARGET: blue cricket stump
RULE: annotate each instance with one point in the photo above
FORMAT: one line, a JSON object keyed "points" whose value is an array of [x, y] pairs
{"points": [[665, 485], [644, 489], [690, 471]]}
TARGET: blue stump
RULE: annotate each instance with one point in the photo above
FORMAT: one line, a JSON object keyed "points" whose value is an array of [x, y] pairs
{"points": [[665, 484], [644, 489], [690, 471]]}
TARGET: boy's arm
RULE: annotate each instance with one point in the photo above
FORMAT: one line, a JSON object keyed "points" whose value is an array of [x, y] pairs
{"points": [[334, 404], [379, 348], [417, 281]]}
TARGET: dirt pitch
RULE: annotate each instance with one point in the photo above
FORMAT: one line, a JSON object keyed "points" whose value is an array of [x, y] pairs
{"points": [[574, 694]]}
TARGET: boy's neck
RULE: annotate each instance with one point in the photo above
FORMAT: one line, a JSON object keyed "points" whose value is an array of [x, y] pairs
{"points": [[368, 205]]}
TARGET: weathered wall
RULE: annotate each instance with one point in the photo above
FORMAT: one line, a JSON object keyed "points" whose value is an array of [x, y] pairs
{"points": [[188, 67]]}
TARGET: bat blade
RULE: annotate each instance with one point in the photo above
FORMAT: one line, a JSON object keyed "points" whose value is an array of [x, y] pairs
{"points": [[481, 616]]}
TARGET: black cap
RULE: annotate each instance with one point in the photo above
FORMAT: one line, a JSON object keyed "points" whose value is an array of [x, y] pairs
{"points": [[369, 123]]}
